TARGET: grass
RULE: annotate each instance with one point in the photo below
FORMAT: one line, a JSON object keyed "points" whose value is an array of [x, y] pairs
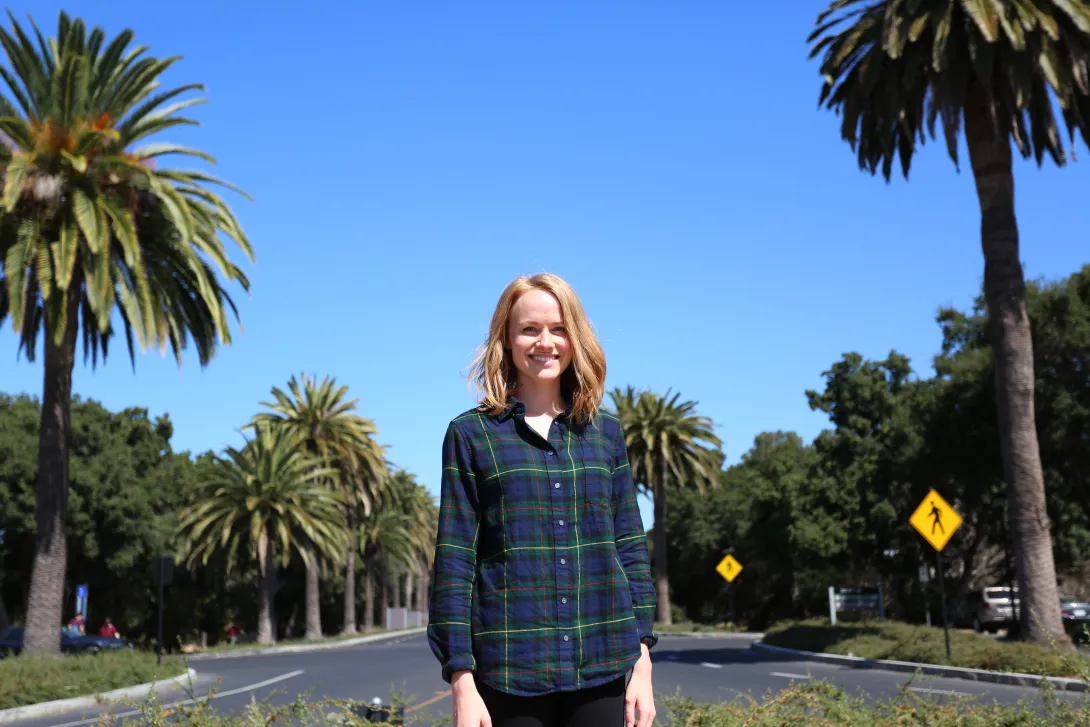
{"points": [[32, 679], [922, 644]]}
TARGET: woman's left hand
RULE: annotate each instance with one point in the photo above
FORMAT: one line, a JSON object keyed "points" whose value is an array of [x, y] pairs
{"points": [[640, 696]]}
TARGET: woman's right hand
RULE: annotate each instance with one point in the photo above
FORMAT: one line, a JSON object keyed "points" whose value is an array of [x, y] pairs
{"points": [[469, 709]]}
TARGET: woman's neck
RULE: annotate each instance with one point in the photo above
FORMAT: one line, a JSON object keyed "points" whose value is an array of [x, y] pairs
{"points": [[540, 399]]}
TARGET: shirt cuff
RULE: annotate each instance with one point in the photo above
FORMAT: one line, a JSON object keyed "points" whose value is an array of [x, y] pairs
{"points": [[650, 639], [458, 663]]}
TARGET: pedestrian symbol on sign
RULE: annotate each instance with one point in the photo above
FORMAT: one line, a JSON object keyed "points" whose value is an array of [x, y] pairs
{"points": [[937, 514]]}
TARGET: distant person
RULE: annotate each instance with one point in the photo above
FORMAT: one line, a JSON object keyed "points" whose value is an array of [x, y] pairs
{"points": [[234, 630], [542, 606], [108, 630], [78, 623]]}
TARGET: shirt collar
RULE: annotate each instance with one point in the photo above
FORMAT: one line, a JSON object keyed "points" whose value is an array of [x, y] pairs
{"points": [[515, 408]]}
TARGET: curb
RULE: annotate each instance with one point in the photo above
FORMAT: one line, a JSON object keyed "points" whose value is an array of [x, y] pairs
{"points": [[1063, 684], [711, 635], [305, 648], [42, 709]]}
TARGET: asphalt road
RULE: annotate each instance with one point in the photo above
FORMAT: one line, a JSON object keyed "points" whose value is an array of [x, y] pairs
{"points": [[710, 669]]}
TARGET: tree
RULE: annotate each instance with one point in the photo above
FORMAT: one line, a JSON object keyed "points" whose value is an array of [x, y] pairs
{"points": [[91, 226], [388, 543], [326, 423], [417, 504], [264, 502], [664, 440], [893, 69]]}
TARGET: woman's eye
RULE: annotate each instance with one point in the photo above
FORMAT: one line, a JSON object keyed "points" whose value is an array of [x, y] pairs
{"points": [[559, 329]]}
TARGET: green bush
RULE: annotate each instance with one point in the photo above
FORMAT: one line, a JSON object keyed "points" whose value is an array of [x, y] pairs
{"points": [[32, 679], [922, 644], [807, 705], [822, 704]]}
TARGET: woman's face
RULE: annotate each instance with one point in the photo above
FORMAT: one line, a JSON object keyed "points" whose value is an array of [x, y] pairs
{"points": [[537, 338]]}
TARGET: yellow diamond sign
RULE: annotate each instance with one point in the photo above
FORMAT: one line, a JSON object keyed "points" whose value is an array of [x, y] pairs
{"points": [[935, 520], [729, 568]]}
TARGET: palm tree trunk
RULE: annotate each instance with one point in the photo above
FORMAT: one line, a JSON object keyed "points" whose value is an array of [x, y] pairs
{"points": [[46, 599], [350, 591], [1012, 350], [350, 576], [409, 590], [267, 592], [662, 583], [314, 602], [422, 589], [368, 597], [399, 594]]}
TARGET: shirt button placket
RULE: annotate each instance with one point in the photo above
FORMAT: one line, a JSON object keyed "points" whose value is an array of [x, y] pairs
{"points": [[564, 564]]}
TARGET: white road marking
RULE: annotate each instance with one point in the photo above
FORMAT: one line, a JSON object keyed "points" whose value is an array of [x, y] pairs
{"points": [[219, 695], [711, 665], [947, 692], [788, 675]]}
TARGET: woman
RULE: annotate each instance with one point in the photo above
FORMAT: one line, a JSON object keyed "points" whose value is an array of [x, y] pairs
{"points": [[542, 602]]}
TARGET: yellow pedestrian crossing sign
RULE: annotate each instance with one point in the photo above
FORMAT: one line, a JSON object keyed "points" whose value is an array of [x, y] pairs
{"points": [[729, 568], [935, 520]]}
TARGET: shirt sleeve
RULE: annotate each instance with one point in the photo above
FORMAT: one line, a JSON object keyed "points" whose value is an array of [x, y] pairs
{"points": [[632, 543], [450, 608]]}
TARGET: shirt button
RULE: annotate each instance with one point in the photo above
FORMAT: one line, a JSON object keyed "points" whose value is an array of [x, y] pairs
{"points": [[563, 561], [560, 523], [567, 638], [564, 599]]}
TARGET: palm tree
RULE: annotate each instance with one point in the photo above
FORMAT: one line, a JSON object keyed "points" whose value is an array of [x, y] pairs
{"points": [[91, 226], [387, 543], [327, 424], [263, 502], [893, 69], [664, 440], [414, 500]]}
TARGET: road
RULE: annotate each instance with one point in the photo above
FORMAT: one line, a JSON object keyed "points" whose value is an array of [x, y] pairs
{"points": [[711, 669]]}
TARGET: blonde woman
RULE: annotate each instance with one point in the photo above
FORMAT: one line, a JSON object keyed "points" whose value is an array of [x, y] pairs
{"points": [[542, 602]]}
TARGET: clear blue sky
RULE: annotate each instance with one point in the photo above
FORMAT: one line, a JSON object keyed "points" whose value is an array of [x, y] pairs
{"points": [[408, 159]]}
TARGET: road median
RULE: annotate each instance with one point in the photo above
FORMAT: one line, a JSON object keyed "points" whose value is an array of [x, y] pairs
{"points": [[59, 706], [908, 648]]}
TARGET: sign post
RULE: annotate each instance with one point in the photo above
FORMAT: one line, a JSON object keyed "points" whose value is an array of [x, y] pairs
{"points": [[937, 522], [162, 573], [81, 600], [729, 568]]}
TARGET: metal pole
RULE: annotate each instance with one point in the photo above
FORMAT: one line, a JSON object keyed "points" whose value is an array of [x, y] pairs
{"points": [[942, 594], [733, 613], [159, 649]]}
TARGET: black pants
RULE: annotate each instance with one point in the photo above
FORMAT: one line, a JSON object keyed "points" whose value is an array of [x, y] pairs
{"points": [[601, 706]]}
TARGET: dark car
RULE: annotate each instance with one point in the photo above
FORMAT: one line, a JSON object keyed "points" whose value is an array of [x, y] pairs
{"points": [[1076, 618], [72, 642]]}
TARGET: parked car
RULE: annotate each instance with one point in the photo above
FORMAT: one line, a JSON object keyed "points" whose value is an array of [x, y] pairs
{"points": [[1076, 618], [72, 642], [986, 609]]}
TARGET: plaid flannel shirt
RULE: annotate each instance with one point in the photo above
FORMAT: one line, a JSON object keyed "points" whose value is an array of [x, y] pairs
{"points": [[541, 578]]}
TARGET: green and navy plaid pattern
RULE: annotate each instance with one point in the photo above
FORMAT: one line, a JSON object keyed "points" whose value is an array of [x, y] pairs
{"points": [[541, 579]]}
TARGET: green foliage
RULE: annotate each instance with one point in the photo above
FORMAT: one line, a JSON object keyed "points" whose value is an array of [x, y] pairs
{"points": [[87, 210], [803, 517], [820, 703], [667, 441], [893, 70], [925, 645], [326, 422], [33, 679], [271, 487]]}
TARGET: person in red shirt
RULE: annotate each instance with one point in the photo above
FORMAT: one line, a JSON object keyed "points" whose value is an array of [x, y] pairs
{"points": [[108, 630]]}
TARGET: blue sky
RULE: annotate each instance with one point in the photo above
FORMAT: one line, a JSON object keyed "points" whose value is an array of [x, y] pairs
{"points": [[407, 160]]}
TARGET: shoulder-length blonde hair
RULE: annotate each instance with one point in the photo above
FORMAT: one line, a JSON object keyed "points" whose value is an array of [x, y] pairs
{"points": [[582, 384]]}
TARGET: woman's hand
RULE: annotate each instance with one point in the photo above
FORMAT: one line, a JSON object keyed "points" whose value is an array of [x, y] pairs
{"points": [[640, 696], [469, 709]]}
